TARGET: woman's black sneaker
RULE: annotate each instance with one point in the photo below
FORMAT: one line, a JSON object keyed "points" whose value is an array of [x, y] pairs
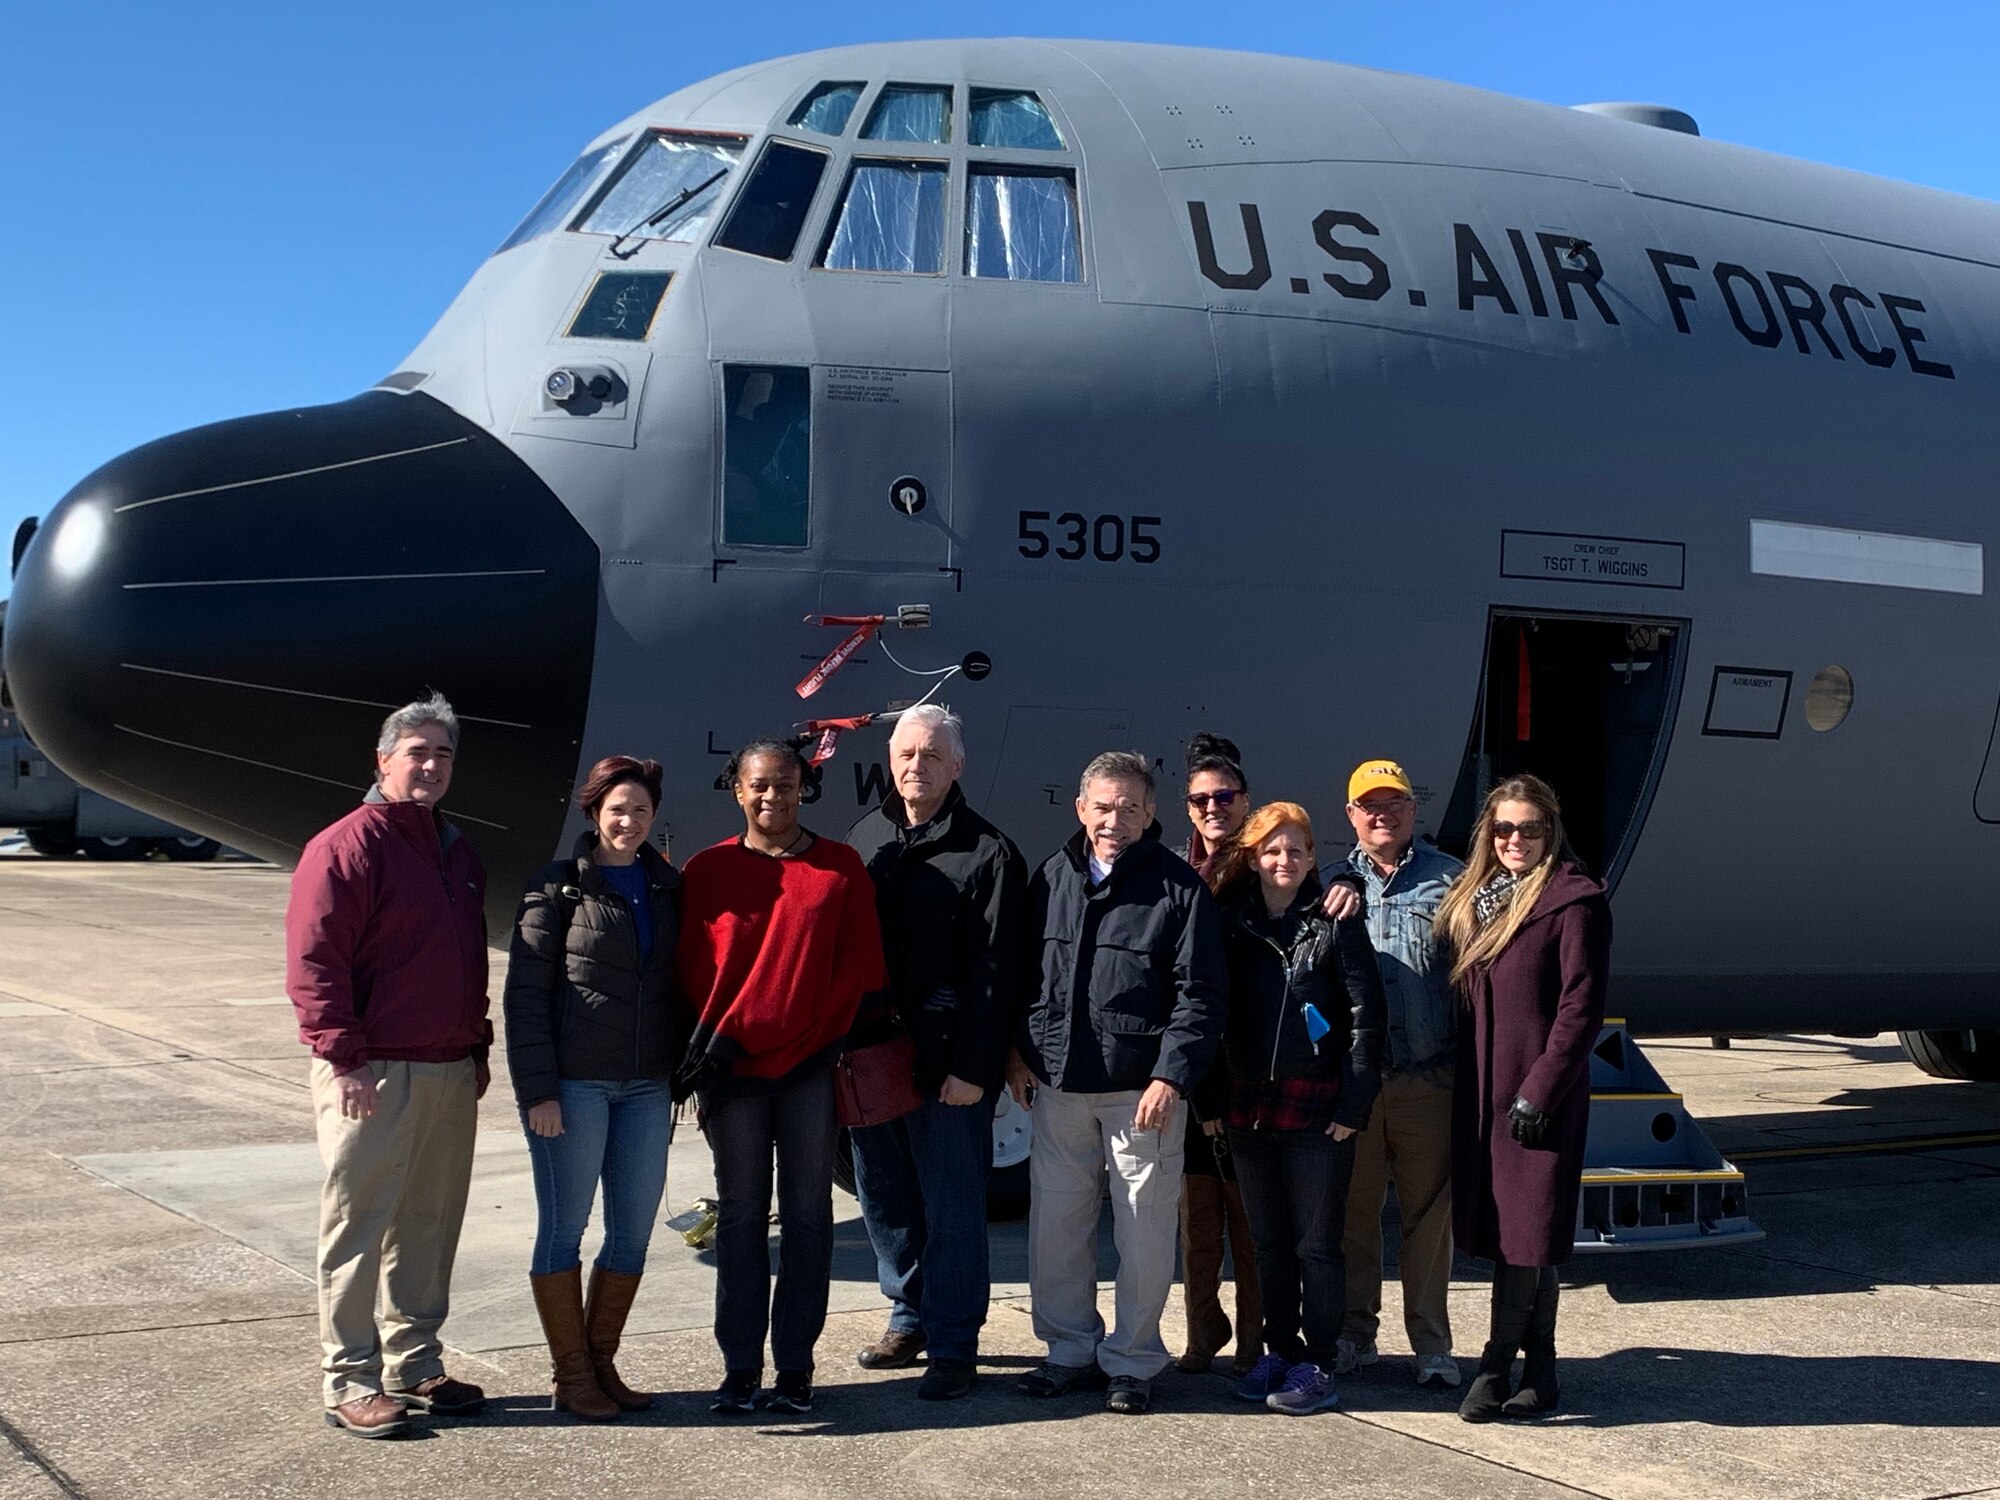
{"points": [[791, 1393], [738, 1392]]}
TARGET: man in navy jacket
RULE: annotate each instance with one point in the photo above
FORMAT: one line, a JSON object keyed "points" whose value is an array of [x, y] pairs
{"points": [[1124, 1020]]}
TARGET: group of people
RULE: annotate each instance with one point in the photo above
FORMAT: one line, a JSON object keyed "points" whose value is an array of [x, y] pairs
{"points": [[1247, 1048]]}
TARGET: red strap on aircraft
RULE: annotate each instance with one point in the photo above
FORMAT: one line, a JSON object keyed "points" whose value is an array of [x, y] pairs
{"points": [[865, 627], [829, 732]]}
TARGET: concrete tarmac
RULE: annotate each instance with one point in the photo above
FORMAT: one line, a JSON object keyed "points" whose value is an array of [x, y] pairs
{"points": [[158, 1335]]}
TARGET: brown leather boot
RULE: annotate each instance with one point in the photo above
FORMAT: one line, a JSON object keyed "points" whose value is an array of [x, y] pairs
{"points": [[1203, 1225], [1249, 1294], [895, 1350], [611, 1294], [559, 1301]]}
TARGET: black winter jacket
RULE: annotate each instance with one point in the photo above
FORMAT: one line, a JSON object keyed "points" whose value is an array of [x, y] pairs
{"points": [[951, 901], [577, 1003], [1131, 976], [1277, 967]]}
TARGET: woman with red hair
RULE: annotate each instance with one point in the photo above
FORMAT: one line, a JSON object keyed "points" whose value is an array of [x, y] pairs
{"points": [[592, 1044], [1304, 1044]]}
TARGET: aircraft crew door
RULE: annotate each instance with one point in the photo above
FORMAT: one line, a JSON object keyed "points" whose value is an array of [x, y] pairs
{"points": [[882, 464], [1586, 702]]}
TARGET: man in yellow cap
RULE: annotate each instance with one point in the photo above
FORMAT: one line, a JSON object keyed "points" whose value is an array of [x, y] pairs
{"points": [[1408, 1139]]}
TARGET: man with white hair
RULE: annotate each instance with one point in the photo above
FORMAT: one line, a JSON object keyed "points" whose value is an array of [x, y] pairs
{"points": [[385, 962], [950, 890]]}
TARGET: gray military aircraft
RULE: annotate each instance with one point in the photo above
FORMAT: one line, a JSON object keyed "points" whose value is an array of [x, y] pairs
{"points": [[1350, 414]]}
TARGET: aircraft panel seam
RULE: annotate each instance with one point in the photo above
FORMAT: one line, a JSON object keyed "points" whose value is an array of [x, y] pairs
{"points": [[239, 484], [1845, 234]]}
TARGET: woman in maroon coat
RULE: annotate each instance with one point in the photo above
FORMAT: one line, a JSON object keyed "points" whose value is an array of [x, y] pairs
{"points": [[1532, 934]]}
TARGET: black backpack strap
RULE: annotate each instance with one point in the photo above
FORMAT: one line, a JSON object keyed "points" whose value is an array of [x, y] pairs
{"points": [[569, 896]]}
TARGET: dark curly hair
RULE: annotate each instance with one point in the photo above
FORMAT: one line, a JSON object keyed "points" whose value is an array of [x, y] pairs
{"points": [[1211, 752], [784, 748]]}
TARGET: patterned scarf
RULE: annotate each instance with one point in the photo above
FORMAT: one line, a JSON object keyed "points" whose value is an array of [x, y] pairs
{"points": [[1495, 896]]}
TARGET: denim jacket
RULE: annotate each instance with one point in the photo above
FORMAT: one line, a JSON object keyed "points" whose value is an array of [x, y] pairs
{"points": [[1416, 974]]}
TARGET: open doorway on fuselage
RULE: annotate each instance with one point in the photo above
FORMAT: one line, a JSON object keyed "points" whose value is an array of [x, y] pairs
{"points": [[1586, 702]]}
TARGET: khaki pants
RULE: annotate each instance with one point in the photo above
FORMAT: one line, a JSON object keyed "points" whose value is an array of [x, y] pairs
{"points": [[1077, 1138], [389, 1216], [1407, 1142]]}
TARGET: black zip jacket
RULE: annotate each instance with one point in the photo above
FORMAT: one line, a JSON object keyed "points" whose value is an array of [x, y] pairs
{"points": [[951, 900], [1131, 973], [1278, 966], [578, 1003]]}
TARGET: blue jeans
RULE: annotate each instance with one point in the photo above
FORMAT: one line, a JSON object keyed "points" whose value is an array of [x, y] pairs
{"points": [[616, 1133], [922, 1185]]}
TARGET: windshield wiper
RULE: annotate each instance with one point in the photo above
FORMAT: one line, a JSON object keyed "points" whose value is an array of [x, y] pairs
{"points": [[679, 201]]}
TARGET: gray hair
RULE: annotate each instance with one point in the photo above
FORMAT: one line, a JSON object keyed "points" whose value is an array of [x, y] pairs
{"points": [[1118, 765], [939, 721], [413, 716]]}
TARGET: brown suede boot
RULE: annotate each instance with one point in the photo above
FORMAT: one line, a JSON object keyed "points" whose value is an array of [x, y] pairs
{"points": [[1203, 1224], [1249, 1294], [559, 1301], [611, 1294]]}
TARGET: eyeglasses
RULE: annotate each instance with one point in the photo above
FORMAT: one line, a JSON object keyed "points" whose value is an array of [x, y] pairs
{"points": [[1199, 800], [1534, 828], [1388, 807]]}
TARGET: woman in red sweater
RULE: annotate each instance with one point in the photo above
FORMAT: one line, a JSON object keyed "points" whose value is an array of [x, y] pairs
{"points": [[779, 943]]}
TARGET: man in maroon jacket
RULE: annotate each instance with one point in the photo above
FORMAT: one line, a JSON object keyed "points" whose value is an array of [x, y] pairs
{"points": [[385, 962]]}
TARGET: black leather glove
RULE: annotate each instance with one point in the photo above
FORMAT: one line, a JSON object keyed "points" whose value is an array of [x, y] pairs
{"points": [[1529, 1124]]}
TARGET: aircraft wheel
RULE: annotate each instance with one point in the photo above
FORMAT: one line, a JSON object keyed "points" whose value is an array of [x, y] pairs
{"points": [[113, 848], [1007, 1193], [190, 848], [51, 843], [1944, 1054]]}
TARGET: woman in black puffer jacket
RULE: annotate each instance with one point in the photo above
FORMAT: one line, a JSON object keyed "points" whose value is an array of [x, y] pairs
{"points": [[1304, 1044], [593, 1038]]}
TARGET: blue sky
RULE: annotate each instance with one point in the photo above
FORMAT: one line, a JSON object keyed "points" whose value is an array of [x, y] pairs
{"points": [[231, 207]]}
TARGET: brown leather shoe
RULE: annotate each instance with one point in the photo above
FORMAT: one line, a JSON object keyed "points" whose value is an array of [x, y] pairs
{"points": [[895, 1350], [373, 1416], [443, 1397]]}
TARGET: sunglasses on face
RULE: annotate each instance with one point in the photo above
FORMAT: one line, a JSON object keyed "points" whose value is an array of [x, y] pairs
{"points": [[1199, 800], [1534, 828]]}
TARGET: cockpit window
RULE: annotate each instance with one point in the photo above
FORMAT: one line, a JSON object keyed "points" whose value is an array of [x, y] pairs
{"points": [[766, 455], [565, 195], [826, 109], [772, 208], [1013, 118], [910, 112], [1021, 224], [891, 219], [667, 190]]}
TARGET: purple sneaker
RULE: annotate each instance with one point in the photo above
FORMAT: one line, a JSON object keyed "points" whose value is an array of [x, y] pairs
{"points": [[1305, 1391], [1264, 1379]]}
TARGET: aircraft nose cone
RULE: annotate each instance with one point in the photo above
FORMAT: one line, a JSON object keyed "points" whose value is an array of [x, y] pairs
{"points": [[213, 626]]}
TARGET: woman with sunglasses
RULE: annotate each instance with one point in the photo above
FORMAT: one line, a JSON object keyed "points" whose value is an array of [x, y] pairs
{"points": [[1218, 802], [1532, 935]]}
